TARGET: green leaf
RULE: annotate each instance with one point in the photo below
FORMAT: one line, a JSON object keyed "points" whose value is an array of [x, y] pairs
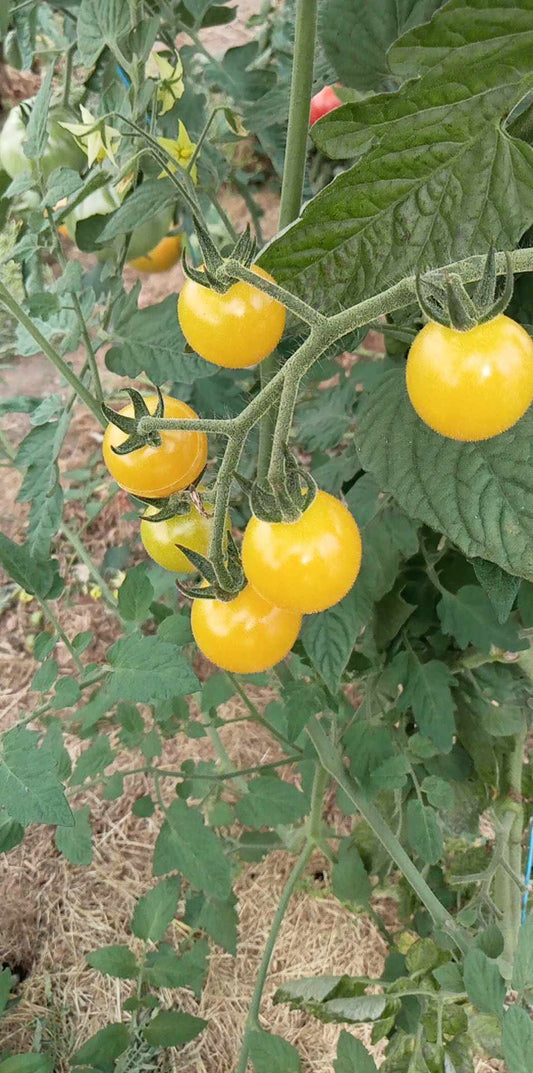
{"points": [[218, 919], [500, 587], [427, 691], [272, 1054], [67, 693], [31, 574], [217, 690], [93, 761], [439, 792], [29, 788], [352, 1057], [101, 23], [156, 910], [144, 203], [44, 676], [484, 983], [116, 961], [143, 806], [468, 615], [517, 1040], [6, 984], [171, 1028], [186, 845], [75, 843], [523, 962], [375, 27], [11, 835], [350, 880], [270, 801], [44, 644], [36, 131], [479, 494], [329, 638], [135, 594], [150, 340], [423, 832], [146, 669], [368, 748], [103, 1047], [166, 968], [501, 721], [176, 629], [27, 1063], [431, 183], [114, 787]]}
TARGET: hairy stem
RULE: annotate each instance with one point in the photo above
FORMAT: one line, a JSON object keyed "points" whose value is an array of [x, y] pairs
{"points": [[60, 633], [332, 762], [313, 831], [300, 308], [507, 892], [83, 555], [293, 173]]}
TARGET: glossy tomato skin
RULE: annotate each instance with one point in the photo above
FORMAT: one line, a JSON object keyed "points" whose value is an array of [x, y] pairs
{"points": [[244, 635], [192, 530], [235, 329], [163, 256], [156, 472], [307, 565], [322, 103], [471, 385], [60, 150]]}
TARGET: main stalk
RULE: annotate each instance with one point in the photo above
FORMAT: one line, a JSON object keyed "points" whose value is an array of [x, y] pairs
{"points": [[293, 176]]}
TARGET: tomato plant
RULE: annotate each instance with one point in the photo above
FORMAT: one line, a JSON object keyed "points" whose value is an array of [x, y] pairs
{"points": [[369, 643]]}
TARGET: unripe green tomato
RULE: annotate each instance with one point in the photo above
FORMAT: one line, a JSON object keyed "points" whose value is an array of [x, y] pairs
{"points": [[103, 202], [100, 203], [60, 150]]}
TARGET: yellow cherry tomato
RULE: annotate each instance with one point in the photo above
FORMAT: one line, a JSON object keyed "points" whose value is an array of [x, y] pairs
{"points": [[244, 635], [235, 329], [471, 385], [163, 256], [307, 565], [192, 530], [156, 472]]}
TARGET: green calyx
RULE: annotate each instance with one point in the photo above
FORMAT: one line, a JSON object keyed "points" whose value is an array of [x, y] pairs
{"points": [[130, 425], [213, 274], [287, 500], [443, 297], [234, 577]]}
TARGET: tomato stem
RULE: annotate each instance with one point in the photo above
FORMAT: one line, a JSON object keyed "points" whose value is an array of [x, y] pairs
{"points": [[51, 353], [301, 309], [293, 174], [314, 825], [332, 762]]}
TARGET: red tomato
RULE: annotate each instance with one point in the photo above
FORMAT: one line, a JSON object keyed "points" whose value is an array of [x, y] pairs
{"points": [[322, 103]]}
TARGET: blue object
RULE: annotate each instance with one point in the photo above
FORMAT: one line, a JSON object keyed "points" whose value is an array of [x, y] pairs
{"points": [[529, 870], [123, 76]]}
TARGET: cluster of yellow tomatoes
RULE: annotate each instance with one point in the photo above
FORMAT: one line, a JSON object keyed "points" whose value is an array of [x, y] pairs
{"points": [[291, 568]]}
